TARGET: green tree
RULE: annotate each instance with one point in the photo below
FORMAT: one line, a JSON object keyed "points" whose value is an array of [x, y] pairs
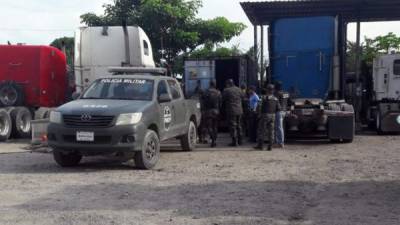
{"points": [[371, 48], [68, 42], [172, 25]]}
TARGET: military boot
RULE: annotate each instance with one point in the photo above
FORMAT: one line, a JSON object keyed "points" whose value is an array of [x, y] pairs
{"points": [[259, 146], [213, 144], [240, 142], [234, 143]]}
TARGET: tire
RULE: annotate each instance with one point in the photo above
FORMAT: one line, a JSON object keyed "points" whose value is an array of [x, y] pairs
{"points": [[189, 140], [21, 118], [11, 94], [149, 155], [378, 124], [67, 160], [5, 125]]}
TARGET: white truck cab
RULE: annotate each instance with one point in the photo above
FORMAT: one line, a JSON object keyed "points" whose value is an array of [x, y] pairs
{"points": [[98, 48], [386, 77], [384, 111]]}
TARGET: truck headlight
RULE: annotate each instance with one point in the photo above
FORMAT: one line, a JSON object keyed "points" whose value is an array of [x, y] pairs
{"points": [[129, 119], [55, 117]]}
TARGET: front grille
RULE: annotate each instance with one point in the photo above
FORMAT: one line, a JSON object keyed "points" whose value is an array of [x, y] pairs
{"points": [[93, 122], [97, 140]]}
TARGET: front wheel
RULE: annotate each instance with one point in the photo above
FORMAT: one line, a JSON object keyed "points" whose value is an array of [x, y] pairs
{"points": [[189, 140], [149, 155], [67, 159]]}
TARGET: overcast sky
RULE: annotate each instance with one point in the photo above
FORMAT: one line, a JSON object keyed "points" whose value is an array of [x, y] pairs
{"points": [[41, 21]]}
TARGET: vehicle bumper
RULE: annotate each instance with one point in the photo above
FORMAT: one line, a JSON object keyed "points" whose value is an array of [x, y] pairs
{"points": [[106, 140]]}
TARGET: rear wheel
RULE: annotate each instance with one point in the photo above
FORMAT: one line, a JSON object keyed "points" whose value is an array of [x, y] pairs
{"points": [[189, 140], [67, 159], [5, 125], [22, 118], [11, 94], [378, 124], [149, 155]]}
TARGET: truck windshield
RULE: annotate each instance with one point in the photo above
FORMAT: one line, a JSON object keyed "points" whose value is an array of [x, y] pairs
{"points": [[121, 89]]}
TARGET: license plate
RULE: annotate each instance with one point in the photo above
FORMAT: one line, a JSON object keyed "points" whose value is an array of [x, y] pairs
{"points": [[307, 112], [85, 136]]}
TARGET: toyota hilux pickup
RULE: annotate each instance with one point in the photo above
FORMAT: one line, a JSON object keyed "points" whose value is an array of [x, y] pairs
{"points": [[126, 115]]}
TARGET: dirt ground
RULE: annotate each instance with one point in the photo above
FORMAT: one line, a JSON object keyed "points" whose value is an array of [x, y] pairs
{"points": [[309, 183]]}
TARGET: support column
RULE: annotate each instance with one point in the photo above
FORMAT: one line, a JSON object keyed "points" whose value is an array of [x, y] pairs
{"points": [[358, 89], [262, 69], [255, 49]]}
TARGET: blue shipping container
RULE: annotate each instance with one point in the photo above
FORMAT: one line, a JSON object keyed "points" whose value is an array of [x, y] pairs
{"points": [[302, 51]]}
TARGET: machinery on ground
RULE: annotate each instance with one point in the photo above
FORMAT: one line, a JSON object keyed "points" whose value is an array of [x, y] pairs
{"points": [[32, 79]]}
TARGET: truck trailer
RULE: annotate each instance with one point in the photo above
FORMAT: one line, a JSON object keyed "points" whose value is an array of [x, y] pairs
{"points": [[305, 59], [220, 69], [32, 78]]}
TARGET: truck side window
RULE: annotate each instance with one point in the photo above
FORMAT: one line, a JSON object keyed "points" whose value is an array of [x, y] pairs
{"points": [[146, 48], [175, 89], [162, 88], [396, 67]]}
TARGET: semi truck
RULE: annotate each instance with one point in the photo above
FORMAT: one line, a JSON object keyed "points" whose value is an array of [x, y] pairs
{"points": [[305, 59], [381, 100], [98, 48], [220, 69], [32, 79]]}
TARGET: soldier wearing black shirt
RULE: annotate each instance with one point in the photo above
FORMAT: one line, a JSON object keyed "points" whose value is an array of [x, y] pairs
{"points": [[267, 111]]}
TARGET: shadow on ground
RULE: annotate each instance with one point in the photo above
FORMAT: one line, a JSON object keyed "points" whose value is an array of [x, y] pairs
{"points": [[333, 203]]}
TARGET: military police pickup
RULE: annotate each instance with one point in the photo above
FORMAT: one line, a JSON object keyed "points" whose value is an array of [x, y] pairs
{"points": [[124, 115]]}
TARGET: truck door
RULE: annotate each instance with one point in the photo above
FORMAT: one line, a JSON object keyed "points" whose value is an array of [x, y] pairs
{"points": [[178, 107], [166, 113]]}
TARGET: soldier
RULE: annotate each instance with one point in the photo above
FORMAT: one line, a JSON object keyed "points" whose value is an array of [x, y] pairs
{"points": [[212, 100], [232, 100], [201, 130], [267, 111], [283, 98]]}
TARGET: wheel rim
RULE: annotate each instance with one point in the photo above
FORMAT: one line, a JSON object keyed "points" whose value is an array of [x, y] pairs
{"points": [[8, 95], [151, 149], [192, 135], [25, 125], [4, 126]]}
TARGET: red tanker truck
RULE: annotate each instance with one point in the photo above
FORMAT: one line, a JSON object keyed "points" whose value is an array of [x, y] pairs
{"points": [[31, 78]]}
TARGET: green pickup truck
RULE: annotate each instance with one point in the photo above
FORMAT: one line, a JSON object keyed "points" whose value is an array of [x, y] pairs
{"points": [[126, 115]]}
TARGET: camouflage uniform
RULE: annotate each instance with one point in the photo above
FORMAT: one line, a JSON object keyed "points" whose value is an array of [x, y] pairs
{"points": [[211, 106], [267, 110], [232, 101]]}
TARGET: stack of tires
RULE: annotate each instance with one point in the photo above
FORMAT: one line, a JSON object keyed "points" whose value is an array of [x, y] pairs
{"points": [[15, 119]]}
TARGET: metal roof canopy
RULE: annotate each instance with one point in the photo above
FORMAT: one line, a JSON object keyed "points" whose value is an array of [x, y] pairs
{"points": [[262, 13]]}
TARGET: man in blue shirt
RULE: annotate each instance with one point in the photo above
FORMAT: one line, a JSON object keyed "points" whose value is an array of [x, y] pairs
{"points": [[253, 104], [254, 99]]}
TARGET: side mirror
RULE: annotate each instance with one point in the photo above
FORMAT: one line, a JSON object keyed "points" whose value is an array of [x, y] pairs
{"points": [[164, 98], [76, 95]]}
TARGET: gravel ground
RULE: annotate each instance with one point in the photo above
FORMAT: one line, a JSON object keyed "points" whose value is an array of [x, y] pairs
{"points": [[308, 183]]}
